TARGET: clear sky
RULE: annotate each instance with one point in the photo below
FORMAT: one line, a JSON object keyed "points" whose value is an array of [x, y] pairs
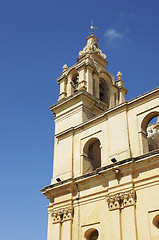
{"points": [[37, 37]]}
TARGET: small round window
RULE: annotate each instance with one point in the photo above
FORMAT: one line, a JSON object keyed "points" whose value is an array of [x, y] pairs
{"points": [[91, 234]]}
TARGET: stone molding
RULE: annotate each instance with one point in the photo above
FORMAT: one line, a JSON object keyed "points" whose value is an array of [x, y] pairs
{"points": [[62, 215], [121, 200]]}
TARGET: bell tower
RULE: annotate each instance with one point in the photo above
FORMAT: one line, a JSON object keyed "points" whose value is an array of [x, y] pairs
{"points": [[87, 90]]}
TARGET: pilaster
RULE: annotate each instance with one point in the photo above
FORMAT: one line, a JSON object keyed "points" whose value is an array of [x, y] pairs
{"points": [[89, 79], [62, 223], [69, 87], [82, 81], [96, 85], [63, 93], [114, 216], [123, 202]]}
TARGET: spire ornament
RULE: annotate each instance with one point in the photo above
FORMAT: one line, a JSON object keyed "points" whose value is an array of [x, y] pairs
{"points": [[92, 27], [92, 47]]}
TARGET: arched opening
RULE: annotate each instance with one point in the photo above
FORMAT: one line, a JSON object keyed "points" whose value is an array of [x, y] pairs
{"points": [[153, 134], [75, 82], [103, 91], [150, 132], [91, 234], [91, 156]]}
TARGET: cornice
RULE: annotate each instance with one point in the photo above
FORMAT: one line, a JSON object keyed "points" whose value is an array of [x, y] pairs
{"points": [[140, 162], [74, 96], [150, 94]]}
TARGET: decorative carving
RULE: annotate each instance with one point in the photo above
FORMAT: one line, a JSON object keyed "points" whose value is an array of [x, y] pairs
{"points": [[120, 200], [65, 68], [113, 201], [128, 198], [62, 215], [119, 76], [92, 46], [67, 214], [56, 216]]}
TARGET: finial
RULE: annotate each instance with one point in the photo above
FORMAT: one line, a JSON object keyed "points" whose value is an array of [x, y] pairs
{"points": [[119, 76], [92, 27], [119, 79], [65, 67]]}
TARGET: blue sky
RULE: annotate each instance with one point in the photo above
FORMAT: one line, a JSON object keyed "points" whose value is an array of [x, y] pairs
{"points": [[37, 38]]}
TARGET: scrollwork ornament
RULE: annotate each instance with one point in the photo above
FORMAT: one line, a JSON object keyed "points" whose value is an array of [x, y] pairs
{"points": [[92, 47]]}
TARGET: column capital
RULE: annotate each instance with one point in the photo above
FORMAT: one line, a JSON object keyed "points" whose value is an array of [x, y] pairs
{"points": [[56, 216], [121, 200], [61, 215], [67, 213]]}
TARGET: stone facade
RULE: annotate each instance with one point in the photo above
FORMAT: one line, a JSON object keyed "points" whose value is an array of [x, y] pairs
{"points": [[105, 181]]}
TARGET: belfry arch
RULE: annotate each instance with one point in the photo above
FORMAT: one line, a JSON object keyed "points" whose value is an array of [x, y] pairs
{"points": [[103, 91], [73, 80], [150, 140], [91, 155]]}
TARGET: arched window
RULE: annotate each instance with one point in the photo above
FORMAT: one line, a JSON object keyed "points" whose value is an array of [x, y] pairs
{"points": [[91, 234], [150, 132], [91, 155], [103, 92]]}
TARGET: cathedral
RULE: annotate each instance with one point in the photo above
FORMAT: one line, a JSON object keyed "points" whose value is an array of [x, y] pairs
{"points": [[105, 181]]}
